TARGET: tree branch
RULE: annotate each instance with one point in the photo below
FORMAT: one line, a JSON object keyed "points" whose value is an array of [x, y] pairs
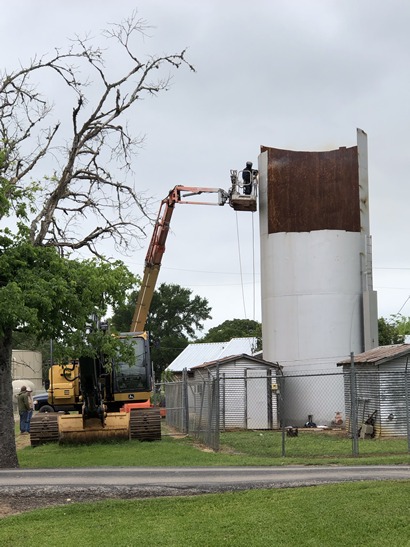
{"points": [[92, 169]]}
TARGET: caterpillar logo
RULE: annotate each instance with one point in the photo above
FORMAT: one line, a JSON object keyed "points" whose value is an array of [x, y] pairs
{"points": [[131, 396]]}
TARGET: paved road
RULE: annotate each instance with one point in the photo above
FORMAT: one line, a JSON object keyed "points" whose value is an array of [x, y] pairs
{"points": [[202, 478], [26, 489]]}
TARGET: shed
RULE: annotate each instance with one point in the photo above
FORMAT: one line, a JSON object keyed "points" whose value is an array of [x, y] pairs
{"points": [[382, 387], [248, 390]]}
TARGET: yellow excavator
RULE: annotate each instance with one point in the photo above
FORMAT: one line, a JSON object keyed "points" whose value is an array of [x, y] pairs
{"points": [[111, 403], [115, 403]]}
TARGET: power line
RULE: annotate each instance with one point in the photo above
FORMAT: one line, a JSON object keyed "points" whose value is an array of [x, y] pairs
{"points": [[253, 267], [390, 268], [221, 284], [405, 302], [190, 270]]}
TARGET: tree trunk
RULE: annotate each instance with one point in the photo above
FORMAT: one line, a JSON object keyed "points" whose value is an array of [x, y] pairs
{"points": [[8, 452]]}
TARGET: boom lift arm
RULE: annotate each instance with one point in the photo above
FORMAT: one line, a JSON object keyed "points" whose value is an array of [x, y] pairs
{"points": [[245, 201], [156, 247]]}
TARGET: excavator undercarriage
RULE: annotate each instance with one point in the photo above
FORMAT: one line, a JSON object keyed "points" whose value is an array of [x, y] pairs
{"points": [[141, 424]]}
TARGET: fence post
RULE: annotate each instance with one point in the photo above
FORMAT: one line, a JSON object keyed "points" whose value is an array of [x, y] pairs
{"points": [[210, 389], [217, 410], [282, 414], [199, 420], [185, 400], [406, 394], [223, 401], [245, 380], [353, 405], [269, 398]]}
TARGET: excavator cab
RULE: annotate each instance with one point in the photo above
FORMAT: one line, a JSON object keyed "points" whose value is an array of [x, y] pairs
{"points": [[243, 192]]}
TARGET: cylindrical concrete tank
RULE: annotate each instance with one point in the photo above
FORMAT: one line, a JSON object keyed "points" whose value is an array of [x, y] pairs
{"points": [[311, 305], [318, 302]]}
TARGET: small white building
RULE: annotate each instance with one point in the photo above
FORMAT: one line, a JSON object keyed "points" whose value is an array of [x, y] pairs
{"points": [[248, 391], [248, 385]]}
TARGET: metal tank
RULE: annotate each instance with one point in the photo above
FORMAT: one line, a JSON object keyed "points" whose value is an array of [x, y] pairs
{"points": [[318, 302]]}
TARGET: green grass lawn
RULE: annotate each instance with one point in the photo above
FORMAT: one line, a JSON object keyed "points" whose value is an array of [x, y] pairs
{"points": [[312, 444], [237, 448], [349, 514]]}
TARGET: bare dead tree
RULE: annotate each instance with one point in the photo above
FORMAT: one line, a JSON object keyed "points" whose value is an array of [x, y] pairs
{"points": [[92, 167]]}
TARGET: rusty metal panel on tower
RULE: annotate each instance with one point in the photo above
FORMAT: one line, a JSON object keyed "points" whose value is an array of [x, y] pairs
{"points": [[310, 191]]}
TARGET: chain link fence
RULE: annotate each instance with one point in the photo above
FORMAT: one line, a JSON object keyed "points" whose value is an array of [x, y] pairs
{"points": [[192, 407], [300, 414]]}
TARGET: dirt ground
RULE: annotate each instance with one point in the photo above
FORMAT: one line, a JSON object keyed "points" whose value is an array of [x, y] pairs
{"points": [[22, 441], [14, 502]]}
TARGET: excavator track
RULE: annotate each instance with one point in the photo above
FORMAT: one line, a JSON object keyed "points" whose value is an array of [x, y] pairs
{"points": [[145, 424], [44, 428]]}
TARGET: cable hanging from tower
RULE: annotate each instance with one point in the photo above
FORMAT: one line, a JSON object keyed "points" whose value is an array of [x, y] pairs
{"points": [[240, 263], [253, 267]]}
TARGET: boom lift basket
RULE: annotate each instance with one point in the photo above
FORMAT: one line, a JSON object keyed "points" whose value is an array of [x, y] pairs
{"points": [[240, 201]]}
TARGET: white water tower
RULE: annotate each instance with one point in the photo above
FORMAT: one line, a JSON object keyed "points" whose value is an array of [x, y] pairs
{"points": [[318, 302]]}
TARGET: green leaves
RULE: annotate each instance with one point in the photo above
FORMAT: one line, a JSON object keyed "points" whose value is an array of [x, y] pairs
{"points": [[174, 318], [235, 328], [175, 312], [53, 297], [14, 199], [393, 330]]}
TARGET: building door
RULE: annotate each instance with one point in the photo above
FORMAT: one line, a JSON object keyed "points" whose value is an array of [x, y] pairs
{"points": [[257, 398]]}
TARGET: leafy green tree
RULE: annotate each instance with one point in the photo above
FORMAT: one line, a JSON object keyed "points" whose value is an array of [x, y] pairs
{"points": [[403, 325], [84, 201], [50, 296], [174, 318], [235, 328], [393, 330]]}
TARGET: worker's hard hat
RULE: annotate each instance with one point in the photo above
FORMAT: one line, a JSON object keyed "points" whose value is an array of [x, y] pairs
{"points": [[29, 388]]}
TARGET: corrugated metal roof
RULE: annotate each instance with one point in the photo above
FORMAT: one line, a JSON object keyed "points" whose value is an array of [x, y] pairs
{"points": [[197, 354], [378, 355], [237, 346], [230, 358]]}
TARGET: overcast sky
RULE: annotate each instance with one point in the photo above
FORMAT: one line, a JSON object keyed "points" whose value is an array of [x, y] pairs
{"points": [[299, 75]]}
